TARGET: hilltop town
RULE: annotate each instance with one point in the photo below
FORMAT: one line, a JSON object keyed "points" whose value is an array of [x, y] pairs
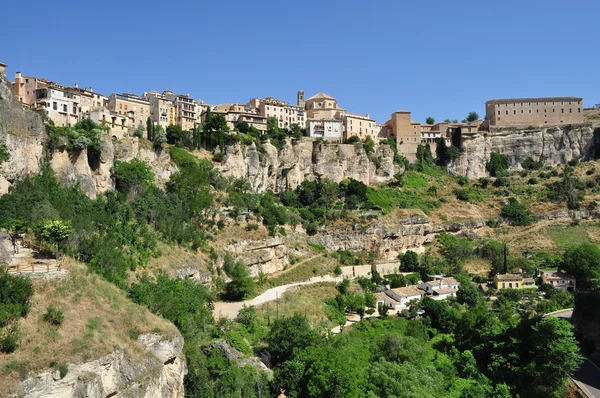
{"points": [[319, 116]]}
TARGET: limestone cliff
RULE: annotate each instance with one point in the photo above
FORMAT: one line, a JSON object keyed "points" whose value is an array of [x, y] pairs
{"points": [[23, 134], [551, 145], [117, 374], [267, 169]]}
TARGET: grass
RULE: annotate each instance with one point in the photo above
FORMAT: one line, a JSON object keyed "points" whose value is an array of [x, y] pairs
{"points": [[97, 319], [309, 300], [318, 266], [389, 198], [415, 180], [574, 235]]}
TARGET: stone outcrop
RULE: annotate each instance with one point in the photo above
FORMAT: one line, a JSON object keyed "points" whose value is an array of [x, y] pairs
{"points": [[159, 161], [235, 356], [23, 134], [388, 238], [266, 255], [267, 169], [551, 145], [117, 374]]}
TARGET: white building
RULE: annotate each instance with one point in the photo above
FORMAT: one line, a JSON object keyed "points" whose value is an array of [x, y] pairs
{"points": [[327, 129], [61, 106], [441, 287], [403, 295]]}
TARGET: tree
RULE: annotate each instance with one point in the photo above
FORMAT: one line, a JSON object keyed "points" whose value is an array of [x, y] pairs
{"points": [[56, 232], [583, 262], [555, 354], [444, 157], [409, 261], [150, 129], [516, 212], [498, 163], [132, 175], [472, 116], [139, 131], [159, 138], [424, 154], [288, 334], [369, 144], [469, 295], [175, 134], [242, 285], [430, 120]]}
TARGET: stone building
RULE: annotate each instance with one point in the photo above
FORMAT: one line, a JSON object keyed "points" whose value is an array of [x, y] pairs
{"points": [[131, 105], [159, 108], [534, 111], [24, 88], [286, 114], [185, 110], [331, 130], [360, 126], [237, 113]]}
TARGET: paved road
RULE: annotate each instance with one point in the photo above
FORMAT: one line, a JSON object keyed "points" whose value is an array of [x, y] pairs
{"points": [[231, 309], [587, 376]]}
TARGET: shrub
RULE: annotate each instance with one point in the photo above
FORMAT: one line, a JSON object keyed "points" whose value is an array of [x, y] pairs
{"points": [[251, 227], [338, 270], [132, 174], [554, 173], [218, 157], [484, 182], [532, 181], [15, 292], [516, 212], [591, 171], [494, 222], [502, 182], [530, 164], [498, 163], [54, 316], [9, 339], [573, 162]]}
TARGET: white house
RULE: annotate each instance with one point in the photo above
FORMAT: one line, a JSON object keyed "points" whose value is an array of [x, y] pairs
{"points": [[441, 287], [403, 295], [386, 301], [327, 129]]}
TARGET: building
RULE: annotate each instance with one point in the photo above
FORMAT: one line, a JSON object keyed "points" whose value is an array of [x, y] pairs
{"points": [[3, 69], [534, 111], [361, 126], [328, 129], [60, 104], [130, 105], [159, 108], [403, 295], [120, 125], [25, 87], [323, 107], [386, 301], [559, 280], [185, 110], [88, 99], [406, 132], [512, 281], [440, 287], [286, 114], [237, 113]]}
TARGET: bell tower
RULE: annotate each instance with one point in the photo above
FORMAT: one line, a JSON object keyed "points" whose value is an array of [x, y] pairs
{"points": [[301, 102]]}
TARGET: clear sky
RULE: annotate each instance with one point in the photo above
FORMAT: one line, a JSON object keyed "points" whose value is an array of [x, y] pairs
{"points": [[435, 58]]}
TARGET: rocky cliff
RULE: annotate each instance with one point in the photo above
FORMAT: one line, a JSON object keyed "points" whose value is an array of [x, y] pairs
{"points": [[551, 145], [117, 374], [267, 169], [23, 134]]}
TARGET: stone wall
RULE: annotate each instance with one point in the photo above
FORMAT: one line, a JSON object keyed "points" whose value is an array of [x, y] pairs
{"points": [[551, 145], [267, 169]]}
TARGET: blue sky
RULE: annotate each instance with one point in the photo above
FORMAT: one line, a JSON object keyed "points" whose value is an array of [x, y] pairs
{"points": [[435, 58]]}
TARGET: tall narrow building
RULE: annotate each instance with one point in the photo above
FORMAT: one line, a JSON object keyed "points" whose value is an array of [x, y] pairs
{"points": [[301, 103]]}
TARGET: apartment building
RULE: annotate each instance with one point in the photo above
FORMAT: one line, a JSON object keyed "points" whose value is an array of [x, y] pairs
{"points": [[185, 110], [286, 114], [360, 126], [25, 87], [159, 108], [200, 108], [60, 104], [89, 99], [331, 129], [237, 113], [534, 111], [131, 105], [120, 125]]}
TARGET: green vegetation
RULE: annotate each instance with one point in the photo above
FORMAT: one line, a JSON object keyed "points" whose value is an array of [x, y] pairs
{"points": [[516, 212], [497, 165], [15, 293], [54, 316], [388, 199], [4, 155]]}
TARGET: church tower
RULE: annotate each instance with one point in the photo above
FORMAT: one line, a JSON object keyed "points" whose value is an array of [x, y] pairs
{"points": [[301, 102]]}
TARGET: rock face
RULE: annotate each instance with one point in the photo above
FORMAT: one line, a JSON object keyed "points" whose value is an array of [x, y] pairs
{"points": [[117, 374], [266, 255], [235, 356], [266, 169], [23, 134], [389, 238], [127, 149], [552, 145]]}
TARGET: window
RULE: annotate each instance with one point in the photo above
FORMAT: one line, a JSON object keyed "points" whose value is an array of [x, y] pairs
{"points": [[54, 106], [26, 80], [562, 110], [507, 112], [521, 110], [514, 112], [578, 110], [570, 110]]}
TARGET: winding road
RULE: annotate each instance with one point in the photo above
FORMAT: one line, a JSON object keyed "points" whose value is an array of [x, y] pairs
{"points": [[231, 309]]}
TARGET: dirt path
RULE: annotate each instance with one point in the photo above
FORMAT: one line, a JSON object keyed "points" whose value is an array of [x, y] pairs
{"points": [[231, 309]]}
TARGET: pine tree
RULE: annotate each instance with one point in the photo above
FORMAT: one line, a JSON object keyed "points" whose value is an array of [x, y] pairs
{"points": [[150, 129]]}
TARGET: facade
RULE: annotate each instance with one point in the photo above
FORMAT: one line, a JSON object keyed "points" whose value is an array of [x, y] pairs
{"points": [[361, 126], [534, 111], [323, 107], [328, 129], [406, 133], [25, 87], [441, 287], [159, 108], [559, 280], [386, 301], [120, 125], [60, 104], [185, 110], [512, 281], [237, 113], [89, 99], [130, 105], [286, 114]]}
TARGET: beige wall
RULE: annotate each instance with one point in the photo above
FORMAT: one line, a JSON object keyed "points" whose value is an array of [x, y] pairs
{"points": [[535, 111], [359, 126], [24, 88], [138, 108], [286, 114]]}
